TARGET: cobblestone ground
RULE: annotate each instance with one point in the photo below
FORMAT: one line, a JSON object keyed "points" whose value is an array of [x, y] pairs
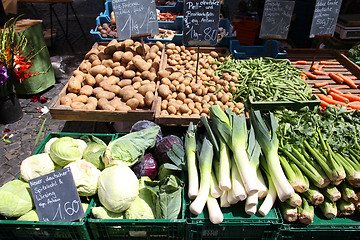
{"points": [[25, 131]]}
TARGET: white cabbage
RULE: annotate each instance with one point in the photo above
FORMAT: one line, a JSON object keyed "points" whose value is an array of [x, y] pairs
{"points": [[36, 166], [48, 144], [118, 187], [66, 150]]}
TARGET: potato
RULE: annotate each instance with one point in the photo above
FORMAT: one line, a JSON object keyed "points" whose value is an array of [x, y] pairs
{"points": [[140, 49], [164, 90], [171, 46], [116, 102], [137, 85], [118, 71], [163, 74], [113, 88], [154, 49], [74, 85], [78, 74], [159, 44], [146, 88], [92, 52], [141, 64], [154, 67], [133, 103], [145, 74], [129, 74], [141, 99], [92, 100], [126, 95], [104, 104], [107, 62], [99, 69], [125, 82], [149, 98], [103, 56], [111, 47], [171, 109], [77, 105], [105, 94], [65, 100], [127, 57], [128, 42], [85, 66], [80, 98], [90, 80], [117, 56], [89, 106], [96, 63], [86, 90]]}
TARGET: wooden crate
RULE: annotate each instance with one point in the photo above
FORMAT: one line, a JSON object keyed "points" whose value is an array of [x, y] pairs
{"points": [[179, 120], [345, 66], [70, 114]]}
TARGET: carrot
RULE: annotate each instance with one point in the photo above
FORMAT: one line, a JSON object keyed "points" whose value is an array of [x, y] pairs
{"points": [[323, 104], [329, 63], [335, 77], [299, 62], [339, 97], [352, 97], [335, 91], [353, 77], [340, 87], [318, 72], [321, 67], [321, 84], [354, 105], [329, 100], [347, 81], [303, 77], [314, 67], [310, 75]]}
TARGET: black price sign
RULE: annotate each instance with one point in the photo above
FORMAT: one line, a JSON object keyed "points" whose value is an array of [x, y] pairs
{"points": [[135, 18], [201, 22], [276, 19], [55, 197], [325, 17]]}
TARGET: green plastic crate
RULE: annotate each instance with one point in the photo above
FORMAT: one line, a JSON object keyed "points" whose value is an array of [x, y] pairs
{"points": [[236, 225], [105, 137], [38, 230], [322, 228]]}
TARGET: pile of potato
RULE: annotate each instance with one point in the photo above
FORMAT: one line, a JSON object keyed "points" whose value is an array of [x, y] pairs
{"points": [[115, 77], [184, 94]]}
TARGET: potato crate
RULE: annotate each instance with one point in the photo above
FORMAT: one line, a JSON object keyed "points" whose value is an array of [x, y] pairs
{"points": [[322, 228], [236, 225], [38, 230]]}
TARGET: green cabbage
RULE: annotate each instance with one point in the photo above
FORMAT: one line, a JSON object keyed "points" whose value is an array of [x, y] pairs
{"points": [[86, 177], [36, 166], [48, 144], [94, 153], [103, 213], [29, 216], [129, 149], [66, 150], [118, 187], [15, 198]]}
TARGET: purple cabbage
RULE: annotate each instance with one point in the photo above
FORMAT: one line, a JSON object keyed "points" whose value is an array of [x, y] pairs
{"points": [[140, 125], [147, 167], [163, 146]]}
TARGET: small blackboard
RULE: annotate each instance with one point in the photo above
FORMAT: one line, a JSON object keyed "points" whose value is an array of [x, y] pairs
{"points": [[325, 17], [276, 19], [135, 18], [201, 22], [55, 197]]}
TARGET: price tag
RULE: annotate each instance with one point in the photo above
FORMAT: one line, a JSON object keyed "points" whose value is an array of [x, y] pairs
{"points": [[201, 22], [55, 197], [135, 18], [276, 19], [325, 17]]}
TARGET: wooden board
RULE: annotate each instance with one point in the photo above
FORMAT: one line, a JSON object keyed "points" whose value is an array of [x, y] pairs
{"points": [[179, 120], [70, 114], [345, 66]]}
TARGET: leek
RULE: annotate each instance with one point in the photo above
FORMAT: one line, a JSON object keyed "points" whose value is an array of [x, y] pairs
{"points": [[314, 196], [224, 166], [295, 200], [233, 132], [215, 191], [332, 193], [270, 198], [215, 214], [236, 183], [268, 141], [231, 198], [345, 208], [263, 189], [306, 212], [328, 208], [190, 150], [289, 213], [205, 162], [250, 209], [223, 199]]}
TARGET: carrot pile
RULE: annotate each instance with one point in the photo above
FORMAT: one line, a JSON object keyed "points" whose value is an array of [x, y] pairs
{"points": [[167, 16], [332, 95]]}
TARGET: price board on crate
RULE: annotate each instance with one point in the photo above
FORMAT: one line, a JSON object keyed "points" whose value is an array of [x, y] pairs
{"points": [[55, 197], [135, 18], [201, 22], [276, 19], [325, 17]]}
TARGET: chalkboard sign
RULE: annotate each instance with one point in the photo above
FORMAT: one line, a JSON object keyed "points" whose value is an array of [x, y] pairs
{"points": [[325, 17], [201, 22], [276, 19], [135, 18], [55, 197]]}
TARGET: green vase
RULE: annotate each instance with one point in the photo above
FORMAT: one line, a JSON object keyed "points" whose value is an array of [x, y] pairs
{"points": [[10, 109]]}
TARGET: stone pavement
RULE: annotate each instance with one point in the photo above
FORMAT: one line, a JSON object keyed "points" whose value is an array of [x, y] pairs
{"points": [[25, 131]]}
